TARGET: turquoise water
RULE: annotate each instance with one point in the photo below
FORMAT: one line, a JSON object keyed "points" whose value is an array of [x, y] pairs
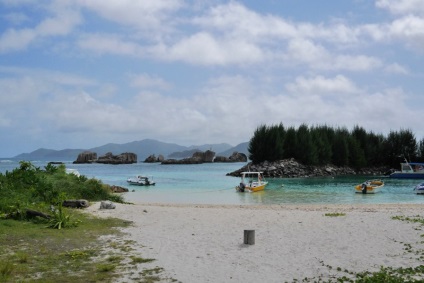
{"points": [[208, 184]]}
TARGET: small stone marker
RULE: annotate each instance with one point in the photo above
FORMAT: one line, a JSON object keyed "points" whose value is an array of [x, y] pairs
{"points": [[249, 237]]}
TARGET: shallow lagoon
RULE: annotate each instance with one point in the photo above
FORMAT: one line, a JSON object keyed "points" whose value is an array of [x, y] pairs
{"points": [[208, 184]]}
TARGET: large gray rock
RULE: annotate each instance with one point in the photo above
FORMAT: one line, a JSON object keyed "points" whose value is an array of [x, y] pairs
{"points": [[108, 158], [198, 157], [238, 157], [152, 158], [123, 158], [290, 168], [86, 157], [107, 205]]}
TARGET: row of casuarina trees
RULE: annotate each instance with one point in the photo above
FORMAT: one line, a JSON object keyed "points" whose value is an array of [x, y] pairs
{"points": [[320, 145]]}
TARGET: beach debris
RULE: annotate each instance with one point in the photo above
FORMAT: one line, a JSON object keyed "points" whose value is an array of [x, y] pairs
{"points": [[76, 203]]}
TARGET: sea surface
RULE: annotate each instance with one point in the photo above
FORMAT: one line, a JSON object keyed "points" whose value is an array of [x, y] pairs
{"points": [[208, 184]]}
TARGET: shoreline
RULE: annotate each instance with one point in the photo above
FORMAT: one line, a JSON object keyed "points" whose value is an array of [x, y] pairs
{"points": [[204, 243]]}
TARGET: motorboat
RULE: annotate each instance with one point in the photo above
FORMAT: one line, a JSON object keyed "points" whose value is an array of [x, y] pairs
{"points": [[251, 182], [369, 187], [419, 189], [73, 171], [140, 181], [409, 170]]}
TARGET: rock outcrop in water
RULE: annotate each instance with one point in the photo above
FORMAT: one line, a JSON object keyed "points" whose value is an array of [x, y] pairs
{"points": [[152, 158], [198, 157], [208, 156], [86, 157], [108, 158], [235, 157], [290, 168]]}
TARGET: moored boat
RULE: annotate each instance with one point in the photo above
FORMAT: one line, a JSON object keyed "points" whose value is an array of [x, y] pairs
{"points": [[409, 170], [140, 181], [73, 171], [251, 182], [419, 189], [369, 187]]}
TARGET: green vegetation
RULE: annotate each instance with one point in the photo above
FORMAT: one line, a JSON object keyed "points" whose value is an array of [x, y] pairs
{"points": [[31, 251], [335, 214], [320, 145], [30, 188]]}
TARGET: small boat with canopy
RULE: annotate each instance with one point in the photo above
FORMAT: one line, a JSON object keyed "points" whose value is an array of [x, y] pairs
{"points": [[252, 182]]}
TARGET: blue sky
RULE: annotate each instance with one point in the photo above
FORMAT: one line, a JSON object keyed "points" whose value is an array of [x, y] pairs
{"points": [[80, 74]]}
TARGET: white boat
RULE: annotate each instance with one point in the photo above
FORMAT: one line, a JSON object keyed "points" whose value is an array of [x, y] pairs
{"points": [[251, 182], [419, 189], [409, 170], [369, 187], [73, 171], [140, 181]]}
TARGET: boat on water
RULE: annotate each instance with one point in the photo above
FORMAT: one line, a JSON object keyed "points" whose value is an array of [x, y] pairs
{"points": [[73, 171], [419, 189], [252, 182], [369, 187], [140, 181], [409, 170]]}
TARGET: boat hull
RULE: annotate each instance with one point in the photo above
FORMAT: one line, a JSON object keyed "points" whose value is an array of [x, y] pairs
{"points": [[399, 175], [256, 188], [370, 188], [253, 188], [140, 183]]}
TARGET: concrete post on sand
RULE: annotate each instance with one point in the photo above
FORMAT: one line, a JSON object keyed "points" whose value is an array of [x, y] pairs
{"points": [[249, 237]]}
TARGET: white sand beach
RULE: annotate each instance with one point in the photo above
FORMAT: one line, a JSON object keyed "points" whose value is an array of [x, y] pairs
{"points": [[204, 243]]}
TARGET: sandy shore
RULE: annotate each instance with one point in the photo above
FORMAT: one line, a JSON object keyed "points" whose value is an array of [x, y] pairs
{"points": [[204, 243]]}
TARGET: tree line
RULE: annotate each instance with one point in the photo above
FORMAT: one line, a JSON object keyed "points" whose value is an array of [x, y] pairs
{"points": [[320, 145]]}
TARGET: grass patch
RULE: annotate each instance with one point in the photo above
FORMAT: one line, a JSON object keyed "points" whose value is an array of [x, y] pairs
{"points": [[136, 260], [335, 214], [32, 252]]}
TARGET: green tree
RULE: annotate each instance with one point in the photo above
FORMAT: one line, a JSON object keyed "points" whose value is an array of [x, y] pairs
{"points": [[306, 151]]}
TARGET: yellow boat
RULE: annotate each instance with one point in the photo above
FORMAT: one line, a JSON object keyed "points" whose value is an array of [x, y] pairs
{"points": [[369, 187], [252, 182]]}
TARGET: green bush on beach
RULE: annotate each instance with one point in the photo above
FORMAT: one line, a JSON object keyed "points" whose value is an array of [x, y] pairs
{"points": [[29, 187], [32, 252]]}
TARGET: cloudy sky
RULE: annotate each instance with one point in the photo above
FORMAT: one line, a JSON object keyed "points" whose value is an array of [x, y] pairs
{"points": [[83, 73]]}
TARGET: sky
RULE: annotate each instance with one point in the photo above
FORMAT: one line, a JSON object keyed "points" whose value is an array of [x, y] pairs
{"points": [[84, 73]]}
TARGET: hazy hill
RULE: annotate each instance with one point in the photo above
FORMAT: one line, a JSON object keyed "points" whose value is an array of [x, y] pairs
{"points": [[142, 148], [242, 148], [50, 154]]}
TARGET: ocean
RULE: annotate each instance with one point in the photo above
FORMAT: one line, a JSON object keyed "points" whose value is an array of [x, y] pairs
{"points": [[208, 184]]}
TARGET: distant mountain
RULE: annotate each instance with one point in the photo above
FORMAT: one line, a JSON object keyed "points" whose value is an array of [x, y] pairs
{"points": [[194, 148], [142, 148], [213, 147], [241, 148], [50, 154], [183, 154]]}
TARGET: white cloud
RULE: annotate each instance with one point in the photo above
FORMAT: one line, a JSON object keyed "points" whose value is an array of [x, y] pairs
{"points": [[109, 44], [396, 69], [144, 81], [409, 29], [62, 23], [402, 6], [204, 49], [322, 86], [151, 17], [318, 57]]}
